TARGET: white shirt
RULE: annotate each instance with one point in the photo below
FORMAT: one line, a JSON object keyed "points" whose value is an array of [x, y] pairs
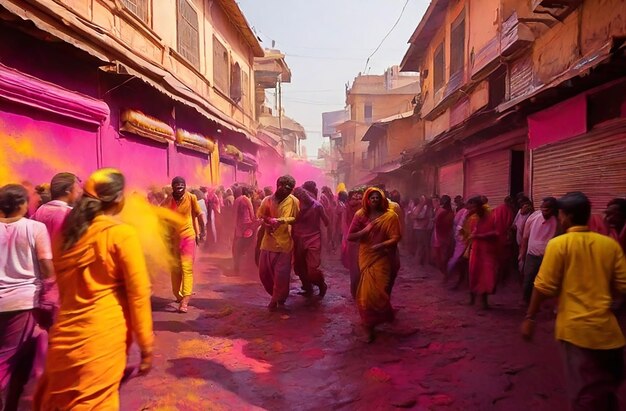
{"points": [[22, 244], [539, 231]]}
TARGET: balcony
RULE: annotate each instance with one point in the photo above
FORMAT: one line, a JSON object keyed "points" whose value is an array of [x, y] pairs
{"points": [[516, 36], [558, 9]]}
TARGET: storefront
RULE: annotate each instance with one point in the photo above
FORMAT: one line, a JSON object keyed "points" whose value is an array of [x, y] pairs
{"points": [[45, 129], [450, 179], [496, 169], [579, 145]]}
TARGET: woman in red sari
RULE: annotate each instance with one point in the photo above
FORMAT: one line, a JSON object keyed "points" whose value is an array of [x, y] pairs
{"points": [[377, 228], [483, 257], [443, 240]]}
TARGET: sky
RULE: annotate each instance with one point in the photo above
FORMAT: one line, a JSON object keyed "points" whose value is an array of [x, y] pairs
{"points": [[327, 43]]}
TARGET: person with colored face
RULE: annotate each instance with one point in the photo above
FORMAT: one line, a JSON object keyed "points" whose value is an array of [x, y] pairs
{"points": [[376, 227], [278, 212], [307, 236], [186, 204], [582, 269]]}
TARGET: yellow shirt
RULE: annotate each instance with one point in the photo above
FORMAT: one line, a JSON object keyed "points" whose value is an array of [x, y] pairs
{"points": [[279, 241], [189, 209], [582, 268]]}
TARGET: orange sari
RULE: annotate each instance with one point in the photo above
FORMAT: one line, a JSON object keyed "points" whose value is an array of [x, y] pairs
{"points": [[105, 299], [376, 266]]}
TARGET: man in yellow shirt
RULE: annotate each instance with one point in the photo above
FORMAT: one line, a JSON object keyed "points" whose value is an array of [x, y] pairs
{"points": [[278, 212], [186, 204], [581, 268]]}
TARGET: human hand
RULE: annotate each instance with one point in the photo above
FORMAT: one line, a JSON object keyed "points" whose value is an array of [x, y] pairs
{"points": [[528, 329], [368, 228], [378, 246], [146, 363]]}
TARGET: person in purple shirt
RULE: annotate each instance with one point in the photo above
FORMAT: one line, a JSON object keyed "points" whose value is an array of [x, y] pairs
{"points": [[307, 236]]}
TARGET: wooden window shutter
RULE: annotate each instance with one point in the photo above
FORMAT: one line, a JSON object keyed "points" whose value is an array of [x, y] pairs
{"points": [[235, 82], [221, 68], [188, 33], [139, 8], [457, 44], [439, 63]]}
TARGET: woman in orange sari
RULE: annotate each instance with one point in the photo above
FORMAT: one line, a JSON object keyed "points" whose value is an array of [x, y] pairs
{"points": [[377, 227], [105, 298]]}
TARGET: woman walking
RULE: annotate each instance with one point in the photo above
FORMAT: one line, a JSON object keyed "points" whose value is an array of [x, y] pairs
{"points": [[377, 228], [483, 256], [26, 300], [105, 299]]}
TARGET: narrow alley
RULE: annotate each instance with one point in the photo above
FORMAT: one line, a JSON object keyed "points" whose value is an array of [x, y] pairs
{"points": [[229, 352]]}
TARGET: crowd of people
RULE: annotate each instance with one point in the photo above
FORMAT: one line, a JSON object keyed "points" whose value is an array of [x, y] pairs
{"points": [[74, 282]]}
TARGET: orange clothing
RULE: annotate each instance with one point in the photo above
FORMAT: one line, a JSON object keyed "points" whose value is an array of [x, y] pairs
{"points": [[279, 240], [189, 209], [105, 299]]}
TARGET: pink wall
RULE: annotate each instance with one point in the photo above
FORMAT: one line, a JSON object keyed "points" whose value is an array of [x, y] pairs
{"points": [[559, 122], [142, 161], [35, 147], [227, 174], [194, 168], [271, 166]]}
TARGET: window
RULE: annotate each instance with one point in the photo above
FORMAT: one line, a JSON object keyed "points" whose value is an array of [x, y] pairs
{"points": [[235, 82], [221, 66], [245, 90], [457, 44], [188, 33], [368, 112], [439, 62], [606, 105], [138, 7]]}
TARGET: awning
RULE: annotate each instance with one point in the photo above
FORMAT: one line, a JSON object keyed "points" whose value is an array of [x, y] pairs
{"points": [[583, 65], [388, 168], [378, 128]]}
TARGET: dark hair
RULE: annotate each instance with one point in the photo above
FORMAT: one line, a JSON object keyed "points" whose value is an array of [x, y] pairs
{"points": [[301, 194], [107, 185], [311, 187], [62, 184], [524, 200], [477, 201], [178, 180], [577, 206], [245, 191], [354, 192], [12, 196], [620, 203], [342, 196], [552, 202], [286, 179], [446, 202]]}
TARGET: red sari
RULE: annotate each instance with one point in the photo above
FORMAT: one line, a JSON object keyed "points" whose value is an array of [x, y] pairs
{"points": [[483, 260]]}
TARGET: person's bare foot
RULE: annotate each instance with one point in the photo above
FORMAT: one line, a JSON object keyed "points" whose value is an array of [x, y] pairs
{"points": [[184, 305], [323, 289]]}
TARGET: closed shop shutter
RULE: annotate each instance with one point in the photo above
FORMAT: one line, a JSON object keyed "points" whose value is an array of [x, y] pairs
{"points": [[228, 175], [489, 175], [450, 179], [594, 163]]}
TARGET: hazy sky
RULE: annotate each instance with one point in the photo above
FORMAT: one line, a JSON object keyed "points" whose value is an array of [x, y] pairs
{"points": [[327, 43]]}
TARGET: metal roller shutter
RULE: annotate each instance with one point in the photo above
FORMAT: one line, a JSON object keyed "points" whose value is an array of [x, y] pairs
{"points": [[450, 179], [594, 163], [489, 175]]}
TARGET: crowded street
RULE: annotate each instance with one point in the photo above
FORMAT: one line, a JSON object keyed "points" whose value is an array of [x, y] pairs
{"points": [[230, 353]]}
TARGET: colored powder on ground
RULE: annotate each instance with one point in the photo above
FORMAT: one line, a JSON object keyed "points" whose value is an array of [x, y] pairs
{"points": [[157, 227]]}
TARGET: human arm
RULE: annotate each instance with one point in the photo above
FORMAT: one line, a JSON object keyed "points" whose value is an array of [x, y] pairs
{"points": [[619, 271], [324, 216], [359, 228], [48, 302], [199, 215], [130, 258]]}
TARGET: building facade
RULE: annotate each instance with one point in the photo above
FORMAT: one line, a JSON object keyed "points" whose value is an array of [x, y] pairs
{"points": [[156, 90], [510, 93]]}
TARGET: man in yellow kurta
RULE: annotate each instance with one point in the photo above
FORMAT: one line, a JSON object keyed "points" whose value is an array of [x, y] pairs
{"points": [[186, 204], [581, 268], [278, 212]]}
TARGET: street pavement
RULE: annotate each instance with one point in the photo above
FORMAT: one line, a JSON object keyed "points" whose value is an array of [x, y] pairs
{"points": [[230, 353]]}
